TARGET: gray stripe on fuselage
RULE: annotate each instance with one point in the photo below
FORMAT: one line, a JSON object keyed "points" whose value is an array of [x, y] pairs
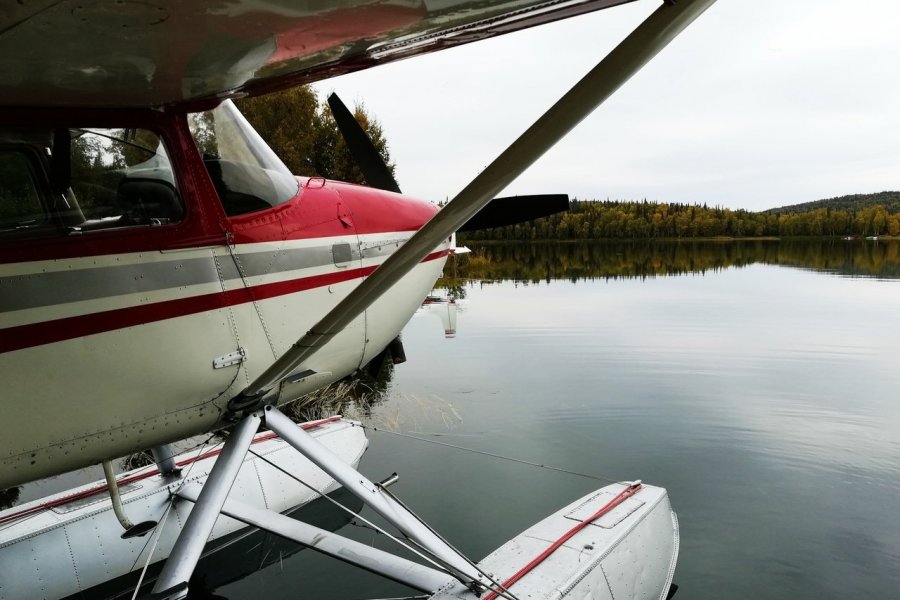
{"points": [[263, 263], [35, 290]]}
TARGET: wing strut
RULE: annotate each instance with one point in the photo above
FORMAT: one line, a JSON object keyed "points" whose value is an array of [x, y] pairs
{"points": [[626, 59]]}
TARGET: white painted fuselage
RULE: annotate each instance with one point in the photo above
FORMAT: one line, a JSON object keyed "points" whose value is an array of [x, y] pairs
{"points": [[125, 387]]}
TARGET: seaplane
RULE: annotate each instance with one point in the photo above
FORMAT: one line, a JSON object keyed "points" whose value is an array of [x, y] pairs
{"points": [[163, 275]]}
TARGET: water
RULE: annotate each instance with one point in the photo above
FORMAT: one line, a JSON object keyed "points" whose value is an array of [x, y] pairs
{"points": [[762, 395], [756, 381]]}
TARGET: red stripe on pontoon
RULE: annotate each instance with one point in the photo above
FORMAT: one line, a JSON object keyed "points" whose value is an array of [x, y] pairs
{"points": [[48, 332], [628, 492], [93, 491]]}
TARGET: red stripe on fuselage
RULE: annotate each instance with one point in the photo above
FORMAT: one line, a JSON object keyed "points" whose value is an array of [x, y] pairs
{"points": [[57, 330]]}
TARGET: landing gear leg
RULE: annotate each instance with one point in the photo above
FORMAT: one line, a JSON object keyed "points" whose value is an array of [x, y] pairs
{"points": [[173, 581], [164, 459]]}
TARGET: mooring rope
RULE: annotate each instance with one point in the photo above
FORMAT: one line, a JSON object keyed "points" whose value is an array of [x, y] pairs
{"points": [[493, 455]]}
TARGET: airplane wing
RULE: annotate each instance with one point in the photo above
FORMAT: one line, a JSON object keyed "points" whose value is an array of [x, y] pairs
{"points": [[195, 52]]}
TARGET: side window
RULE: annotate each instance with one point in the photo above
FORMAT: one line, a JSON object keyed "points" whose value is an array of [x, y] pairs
{"points": [[21, 208], [119, 178], [59, 181]]}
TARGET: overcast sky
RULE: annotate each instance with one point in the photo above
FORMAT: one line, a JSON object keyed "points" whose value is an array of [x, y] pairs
{"points": [[757, 104]]}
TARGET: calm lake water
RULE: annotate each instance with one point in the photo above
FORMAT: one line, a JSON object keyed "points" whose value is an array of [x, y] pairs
{"points": [[757, 382]]}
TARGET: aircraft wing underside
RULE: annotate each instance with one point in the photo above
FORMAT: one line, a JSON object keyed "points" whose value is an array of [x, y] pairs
{"points": [[188, 52]]}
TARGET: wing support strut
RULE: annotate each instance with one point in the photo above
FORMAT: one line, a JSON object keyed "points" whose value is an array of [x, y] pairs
{"points": [[626, 59]]}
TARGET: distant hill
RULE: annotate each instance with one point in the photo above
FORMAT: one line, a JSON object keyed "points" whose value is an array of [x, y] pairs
{"points": [[855, 202]]}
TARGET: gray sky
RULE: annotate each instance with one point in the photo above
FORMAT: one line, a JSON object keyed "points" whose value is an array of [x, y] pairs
{"points": [[757, 104]]}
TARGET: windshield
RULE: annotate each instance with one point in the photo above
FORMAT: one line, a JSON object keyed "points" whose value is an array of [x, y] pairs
{"points": [[247, 174]]}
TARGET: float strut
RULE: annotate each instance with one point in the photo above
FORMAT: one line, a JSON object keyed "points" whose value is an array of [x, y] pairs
{"points": [[417, 576], [173, 580], [373, 495]]}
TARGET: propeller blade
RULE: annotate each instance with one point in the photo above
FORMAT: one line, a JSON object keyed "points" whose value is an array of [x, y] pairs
{"points": [[367, 157], [500, 211], [510, 210], [626, 59]]}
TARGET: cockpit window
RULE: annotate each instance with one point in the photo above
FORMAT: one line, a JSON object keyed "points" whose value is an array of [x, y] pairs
{"points": [[122, 177], [246, 173], [76, 180]]}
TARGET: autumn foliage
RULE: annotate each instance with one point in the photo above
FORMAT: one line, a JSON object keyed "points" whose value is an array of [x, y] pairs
{"points": [[302, 131]]}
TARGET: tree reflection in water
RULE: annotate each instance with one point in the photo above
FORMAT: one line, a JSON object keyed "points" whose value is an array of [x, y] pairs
{"points": [[610, 260]]}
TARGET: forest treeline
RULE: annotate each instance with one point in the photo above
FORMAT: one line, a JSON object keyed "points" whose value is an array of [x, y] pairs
{"points": [[852, 202], [593, 220]]}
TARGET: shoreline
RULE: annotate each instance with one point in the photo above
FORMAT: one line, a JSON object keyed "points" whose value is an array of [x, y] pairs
{"points": [[764, 238]]}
